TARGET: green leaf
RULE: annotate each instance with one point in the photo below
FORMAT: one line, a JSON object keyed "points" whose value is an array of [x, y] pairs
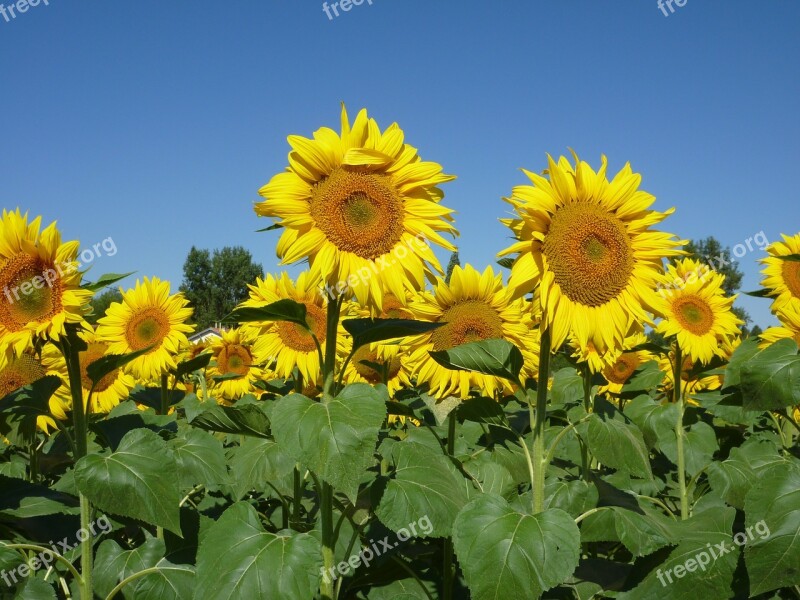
{"points": [[772, 514], [506, 262], [699, 443], [369, 331], [35, 589], [425, 482], [482, 410], [256, 462], [111, 362], [654, 419], [646, 378], [733, 478], [200, 458], [619, 445], [336, 439], [746, 350], [171, 581], [282, 310], [771, 378], [197, 363], [244, 419], [510, 555], [490, 357], [139, 480], [567, 387], [105, 281], [20, 499], [113, 564], [31, 400], [237, 559]]}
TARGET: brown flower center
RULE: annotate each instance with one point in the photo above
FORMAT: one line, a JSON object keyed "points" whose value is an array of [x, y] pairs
{"points": [[296, 337], [94, 352], [467, 321], [148, 327], [30, 290], [694, 314], [234, 358]]}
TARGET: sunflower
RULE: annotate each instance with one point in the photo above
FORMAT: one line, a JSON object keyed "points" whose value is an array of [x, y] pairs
{"points": [[692, 384], [782, 276], [25, 370], [696, 310], [475, 306], [147, 316], [360, 206], [618, 372], [587, 244], [233, 355], [789, 328], [39, 283], [281, 345]]}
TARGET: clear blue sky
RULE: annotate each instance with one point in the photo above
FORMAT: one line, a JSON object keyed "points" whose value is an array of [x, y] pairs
{"points": [[155, 123]]}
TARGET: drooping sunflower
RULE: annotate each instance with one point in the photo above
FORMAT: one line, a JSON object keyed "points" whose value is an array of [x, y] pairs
{"points": [[475, 306], [39, 283], [281, 345], [697, 311], [586, 243], [24, 370], [233, 354], [361, 205], [782, 277], [147, 316], [789, 328], [598, 362], [108, 392], [624, 366]]}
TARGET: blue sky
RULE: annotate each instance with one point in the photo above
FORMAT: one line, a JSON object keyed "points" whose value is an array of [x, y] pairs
{"points": [[155, 123]]}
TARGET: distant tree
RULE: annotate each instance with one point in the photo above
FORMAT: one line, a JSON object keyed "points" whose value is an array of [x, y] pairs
{"points": [[214, 283], [454, 262], [101, 302], [712, 253]]}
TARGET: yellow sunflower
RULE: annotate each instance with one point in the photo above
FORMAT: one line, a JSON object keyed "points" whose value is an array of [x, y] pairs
{"points": [[782, 277], [283, 346], [233, 355], [39, 283], [475, 306], [789, 328], [360, 206], [147, 316], [24, 370], [697, 311], [586, 243], [618, 372], [692, 384]]}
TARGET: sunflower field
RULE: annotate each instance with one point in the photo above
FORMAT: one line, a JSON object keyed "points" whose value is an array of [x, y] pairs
{"points": [[583, 419]]}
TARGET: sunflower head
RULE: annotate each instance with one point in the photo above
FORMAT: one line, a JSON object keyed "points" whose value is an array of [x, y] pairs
{"points": [[25, 370], [789, 328], [147, 317], [39, 283], [234, 362], [696, 310], [361, 206], [782, 275], [585, 242], [619, 371]]}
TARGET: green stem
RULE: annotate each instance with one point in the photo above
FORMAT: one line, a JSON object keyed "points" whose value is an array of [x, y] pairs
{"points": [[587, 401], [679, 431], [297, 498], [539, 464], [41, 549], [329, 367], [164, 394], [129, 579], [447, 564], [72, 359]]}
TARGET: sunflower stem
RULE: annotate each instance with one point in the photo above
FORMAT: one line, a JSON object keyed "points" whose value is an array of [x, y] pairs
{"points": [[329, 368], [164, 394], [587, 405], [72, 358], [447, 564], [679, 432], [539, 462]]}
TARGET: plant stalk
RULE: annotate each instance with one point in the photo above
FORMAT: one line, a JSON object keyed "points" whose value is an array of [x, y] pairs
{"points": [[587, 405], [679, 431], [539, 463], [447, 565]]}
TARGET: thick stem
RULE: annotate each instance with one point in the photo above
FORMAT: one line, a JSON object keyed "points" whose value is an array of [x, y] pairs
{"points": [[72, 358], [679, 431], [587, 405], [447, 563], [329, 368], [539, 463], [164, 394]]}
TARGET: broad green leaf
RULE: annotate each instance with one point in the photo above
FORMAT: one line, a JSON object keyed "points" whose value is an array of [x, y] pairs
{"points": [[403, 589], [113, 564], [619, 445], [646, 378], [111, 362], [643, 533], [244, 419], [699, 446], [282, 310], [654, 419], [440, 407], [200, 458], [567, 387], [772, 513], [490, 357], [31, 400], [425, 482], [238, 559], [771, 378], [510, 555], [336, 439], [482, 410], [106, 280], [35, 589], [746, 350], [733, 478], [193, 364], [171, 581], [20, 499], [139, 480], [256, 462], [573, 497], [369, 331]]}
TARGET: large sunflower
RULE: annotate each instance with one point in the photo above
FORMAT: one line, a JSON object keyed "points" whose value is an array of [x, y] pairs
{"points": [[696, 310], [587, 244], [233, 355], [147, 316], [782, 276], [39, 282], [361, 206], [284, 345], [618, 372], [475, 306]]}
